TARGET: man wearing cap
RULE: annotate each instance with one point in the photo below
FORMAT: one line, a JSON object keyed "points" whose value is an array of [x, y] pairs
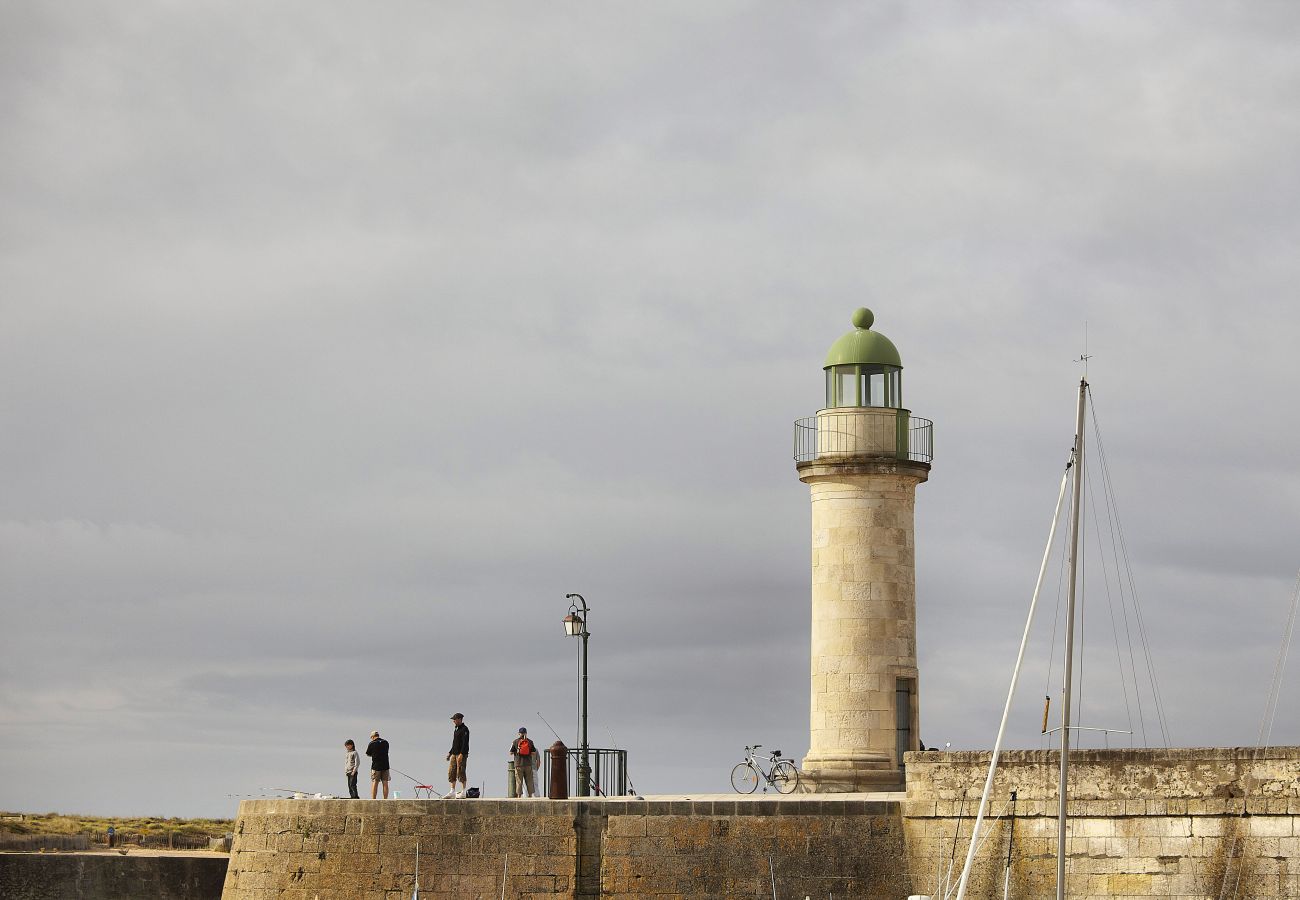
{"points": [[525, 753], [377, 750], [457, 756]]}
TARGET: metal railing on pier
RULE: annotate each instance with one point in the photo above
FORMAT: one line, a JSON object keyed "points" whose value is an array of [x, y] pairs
{"points": [[608, 771]]}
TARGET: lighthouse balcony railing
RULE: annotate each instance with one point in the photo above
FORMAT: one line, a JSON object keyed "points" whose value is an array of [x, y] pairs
{"points": [[839, 434]]}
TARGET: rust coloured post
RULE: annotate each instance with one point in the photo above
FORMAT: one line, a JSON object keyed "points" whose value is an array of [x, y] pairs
{"points": [[558, 789]]}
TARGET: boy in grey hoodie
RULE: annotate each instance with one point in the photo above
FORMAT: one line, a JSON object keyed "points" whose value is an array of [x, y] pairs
{"points": [[352, 763]]}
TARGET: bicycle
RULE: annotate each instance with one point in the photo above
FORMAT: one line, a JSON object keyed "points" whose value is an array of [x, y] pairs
{"points": [[783, 776]]}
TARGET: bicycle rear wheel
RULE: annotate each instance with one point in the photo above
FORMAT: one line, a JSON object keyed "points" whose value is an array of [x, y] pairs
{"points": [[785, 777], [744, 778]]}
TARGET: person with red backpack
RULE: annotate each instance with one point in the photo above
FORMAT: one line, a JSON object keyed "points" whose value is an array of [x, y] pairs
{"points": [[525, 753]]}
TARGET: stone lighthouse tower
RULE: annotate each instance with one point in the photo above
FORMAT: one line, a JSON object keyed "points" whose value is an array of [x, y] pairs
{"points": [[863, 456]]}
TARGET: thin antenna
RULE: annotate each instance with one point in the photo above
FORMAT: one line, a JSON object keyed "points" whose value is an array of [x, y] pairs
{"points": [[1084, 356]]}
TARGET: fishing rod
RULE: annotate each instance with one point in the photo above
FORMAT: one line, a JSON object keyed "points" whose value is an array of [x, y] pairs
{"points": [[630, 786], [552, 730], [297, 794], [599, 790], [417, 782]]}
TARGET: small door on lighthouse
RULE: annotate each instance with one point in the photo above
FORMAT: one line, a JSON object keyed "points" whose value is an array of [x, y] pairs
{"points": [[905, 694]]}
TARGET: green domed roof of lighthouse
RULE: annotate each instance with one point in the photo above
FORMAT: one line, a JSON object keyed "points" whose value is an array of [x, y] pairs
{"points": [[862, 346]]}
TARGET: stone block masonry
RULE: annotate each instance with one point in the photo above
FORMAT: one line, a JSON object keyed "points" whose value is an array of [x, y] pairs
{"points": [[365, 850], [112, 876], [863, 621], [1144, 823]]}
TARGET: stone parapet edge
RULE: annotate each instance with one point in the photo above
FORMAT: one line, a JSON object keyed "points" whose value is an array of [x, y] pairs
{"points": [[1106, 809], [787, 806], [1136, 754]]}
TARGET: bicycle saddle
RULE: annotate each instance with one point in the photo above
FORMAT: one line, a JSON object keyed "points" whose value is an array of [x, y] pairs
{"points": [[776, 753]]}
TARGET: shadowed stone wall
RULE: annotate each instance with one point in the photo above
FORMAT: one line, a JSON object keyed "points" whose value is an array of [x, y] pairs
{"points": [[818, 848], [365, 850], [354, 850], [110, 876]]}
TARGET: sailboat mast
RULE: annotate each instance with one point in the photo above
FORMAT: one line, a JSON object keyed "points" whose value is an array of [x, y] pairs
{"points": [[1069, 643]]}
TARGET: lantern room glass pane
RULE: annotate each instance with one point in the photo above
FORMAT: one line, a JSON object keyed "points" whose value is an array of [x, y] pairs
{"points": [[864, 385], [846, 393]]}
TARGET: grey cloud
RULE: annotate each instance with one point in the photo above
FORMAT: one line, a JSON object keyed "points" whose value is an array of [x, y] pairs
{"points": [[339, 345]]}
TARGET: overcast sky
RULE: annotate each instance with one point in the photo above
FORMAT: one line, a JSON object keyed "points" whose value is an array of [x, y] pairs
{"points": [[341, 341]]}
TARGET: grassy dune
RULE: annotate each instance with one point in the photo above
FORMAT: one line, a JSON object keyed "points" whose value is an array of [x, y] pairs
{"points": [[61, 823]]}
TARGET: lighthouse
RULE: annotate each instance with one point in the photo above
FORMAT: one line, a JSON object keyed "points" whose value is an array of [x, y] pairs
{"points": [[862, 457]]}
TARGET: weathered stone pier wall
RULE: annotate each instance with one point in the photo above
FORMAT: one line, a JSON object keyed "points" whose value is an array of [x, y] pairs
{"points": [[1144, 823], [365, 849], [112, 876]]}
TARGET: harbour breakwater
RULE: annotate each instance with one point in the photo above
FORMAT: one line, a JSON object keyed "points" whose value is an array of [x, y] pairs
{"points": [[112, 876], [1179, 823], [566, 848], [1145, 823]]}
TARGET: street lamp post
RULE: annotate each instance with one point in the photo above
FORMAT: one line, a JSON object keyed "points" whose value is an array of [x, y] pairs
{"points": [[575, 625]]}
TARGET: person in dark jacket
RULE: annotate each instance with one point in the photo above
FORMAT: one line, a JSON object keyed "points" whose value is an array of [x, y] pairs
{"points": [[377, 750], [457, 756]]}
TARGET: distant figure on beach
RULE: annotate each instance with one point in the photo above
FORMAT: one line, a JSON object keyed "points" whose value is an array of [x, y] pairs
{"points": [[525, 753], [378, 753], [457, 756], [351, 764]]}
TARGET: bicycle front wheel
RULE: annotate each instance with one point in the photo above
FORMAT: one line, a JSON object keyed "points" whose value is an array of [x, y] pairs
{"points": [[785, 777], [744, 778]]}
